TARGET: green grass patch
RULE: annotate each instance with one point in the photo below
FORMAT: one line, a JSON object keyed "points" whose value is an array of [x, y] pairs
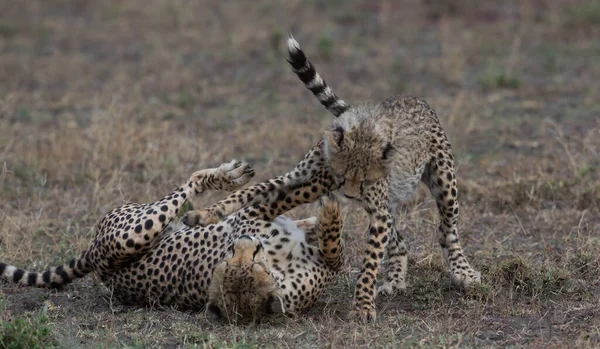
{"points": [[517, 274], [583, 15], [7, 30], [325, 47], [22, 332], [495, 75]]}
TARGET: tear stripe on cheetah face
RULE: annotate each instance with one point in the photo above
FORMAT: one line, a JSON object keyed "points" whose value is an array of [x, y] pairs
{"points": [[169, 265]]}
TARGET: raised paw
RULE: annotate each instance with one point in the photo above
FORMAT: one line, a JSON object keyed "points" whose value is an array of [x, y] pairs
{"points": [[332, 210], [235, 174], [201, 218], [363, 314], [463, 278], [390, 288]]}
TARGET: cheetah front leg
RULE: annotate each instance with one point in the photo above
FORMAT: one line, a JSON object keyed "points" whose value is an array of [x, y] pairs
{"points": [[442, 184], [262, 193], [375, 202], [291, 197]]}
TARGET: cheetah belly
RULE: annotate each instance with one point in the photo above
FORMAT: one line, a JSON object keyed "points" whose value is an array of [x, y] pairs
{"points": [[403, 184]]}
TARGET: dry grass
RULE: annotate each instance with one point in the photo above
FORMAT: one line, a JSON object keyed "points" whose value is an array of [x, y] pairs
{"points": [[104, 102]]}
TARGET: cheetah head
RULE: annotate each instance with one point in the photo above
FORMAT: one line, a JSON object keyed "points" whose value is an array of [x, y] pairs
{"points": [[361, 151], [242, 286]]}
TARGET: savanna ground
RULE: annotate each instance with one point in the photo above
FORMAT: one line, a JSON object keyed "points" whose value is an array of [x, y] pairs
{"points": [[106, 102]]}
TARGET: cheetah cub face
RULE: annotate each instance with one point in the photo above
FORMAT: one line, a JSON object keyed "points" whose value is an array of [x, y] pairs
{"points": [[242, 287], [359, 149]]}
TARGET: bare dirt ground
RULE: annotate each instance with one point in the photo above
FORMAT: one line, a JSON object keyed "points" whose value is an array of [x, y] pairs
{"points": [[106, 102]]}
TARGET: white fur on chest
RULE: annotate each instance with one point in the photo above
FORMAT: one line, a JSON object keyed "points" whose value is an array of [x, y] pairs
{"points": [[404, 182]]}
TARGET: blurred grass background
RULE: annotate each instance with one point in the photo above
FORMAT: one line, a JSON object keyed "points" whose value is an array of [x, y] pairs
{"points": [[106, 102]]}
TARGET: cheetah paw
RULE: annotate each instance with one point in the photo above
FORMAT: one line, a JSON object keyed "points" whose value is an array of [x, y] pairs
{"points": [[235, 174], [363, 314], [201, 218], [332, 209], [464, 278], [390, 288]]}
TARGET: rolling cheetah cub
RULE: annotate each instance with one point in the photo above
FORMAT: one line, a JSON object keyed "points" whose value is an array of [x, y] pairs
{"points": [[253, 263]]}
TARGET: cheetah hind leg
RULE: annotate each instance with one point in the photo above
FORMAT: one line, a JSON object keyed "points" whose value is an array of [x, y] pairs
{"points": [[313, 226], [442, 185], [151, 219], [330, 232]]}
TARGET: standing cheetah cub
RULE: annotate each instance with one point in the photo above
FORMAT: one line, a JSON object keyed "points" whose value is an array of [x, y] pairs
{"points": [[375, 154], [383, 151]]}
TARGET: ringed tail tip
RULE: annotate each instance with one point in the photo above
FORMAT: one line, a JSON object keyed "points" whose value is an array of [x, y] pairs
{"points": [[293, 45]]}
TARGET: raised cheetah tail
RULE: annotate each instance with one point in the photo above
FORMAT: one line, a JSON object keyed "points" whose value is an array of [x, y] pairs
{"points": [[55, 277], [312, 80]]}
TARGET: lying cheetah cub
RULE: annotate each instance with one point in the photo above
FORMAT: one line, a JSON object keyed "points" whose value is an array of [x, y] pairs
{"points": [[252, 263]]}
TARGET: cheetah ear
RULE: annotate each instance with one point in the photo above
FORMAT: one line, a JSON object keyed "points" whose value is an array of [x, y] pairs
{"points": [[213, 311], [274, 305], [388, 153], [334, 139]]}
